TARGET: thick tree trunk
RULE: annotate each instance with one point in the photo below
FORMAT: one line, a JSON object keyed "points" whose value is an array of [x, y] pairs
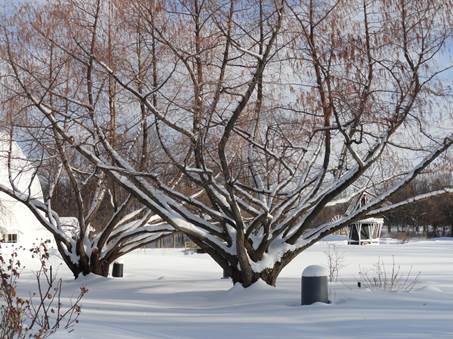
{"points": [[87, 265], [101, 268], [98, 266], [75, 271], [269, 276]]}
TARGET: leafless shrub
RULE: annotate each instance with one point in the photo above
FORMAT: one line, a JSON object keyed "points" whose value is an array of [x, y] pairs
{"points": [[335, 259], [388, 277], [41, 314]]}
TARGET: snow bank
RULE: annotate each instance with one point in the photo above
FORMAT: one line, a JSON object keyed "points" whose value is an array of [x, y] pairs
{"points": [[167, 294]]}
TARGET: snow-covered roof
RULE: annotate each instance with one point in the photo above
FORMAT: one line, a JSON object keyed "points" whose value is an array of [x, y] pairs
{"points": [[370, 221]]}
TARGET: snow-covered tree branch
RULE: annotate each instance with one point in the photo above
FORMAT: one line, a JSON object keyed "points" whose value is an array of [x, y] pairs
{"points": [[239, 123]]}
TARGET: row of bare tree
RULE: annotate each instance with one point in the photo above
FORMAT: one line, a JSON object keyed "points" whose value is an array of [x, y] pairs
{"points": [[234, 122], [428, 217]]}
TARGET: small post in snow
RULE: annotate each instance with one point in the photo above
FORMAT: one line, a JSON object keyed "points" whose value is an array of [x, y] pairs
{"points": [[314, 285], [117, 271]]}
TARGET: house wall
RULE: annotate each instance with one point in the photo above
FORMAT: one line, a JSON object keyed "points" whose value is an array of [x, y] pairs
{"points": [[15, 217]]}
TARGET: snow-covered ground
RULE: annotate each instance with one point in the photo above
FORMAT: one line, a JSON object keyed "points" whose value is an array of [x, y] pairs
{"points": [[167, 294]]}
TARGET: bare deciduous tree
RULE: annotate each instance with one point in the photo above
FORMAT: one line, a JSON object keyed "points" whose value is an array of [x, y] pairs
{"points": [[268, 111], [95, 237]]}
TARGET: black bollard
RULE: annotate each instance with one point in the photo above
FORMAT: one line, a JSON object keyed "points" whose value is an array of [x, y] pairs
{"points": [[117, 271], [314, 285]]}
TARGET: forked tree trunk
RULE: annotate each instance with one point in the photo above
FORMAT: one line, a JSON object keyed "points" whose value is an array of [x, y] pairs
{"points": [[94, 267], [87, 265], [233, 270], [268, 275]]}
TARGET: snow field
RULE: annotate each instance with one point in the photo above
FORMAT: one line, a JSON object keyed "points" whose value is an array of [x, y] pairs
{"points": [[167, 294]]}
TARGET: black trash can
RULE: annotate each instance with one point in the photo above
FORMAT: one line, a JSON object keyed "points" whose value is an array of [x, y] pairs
{"points": [[117, 271], [314, 285]]}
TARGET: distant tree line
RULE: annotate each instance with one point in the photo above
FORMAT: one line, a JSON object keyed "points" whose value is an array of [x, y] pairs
{"points": [[430, 217], [427, 218]]}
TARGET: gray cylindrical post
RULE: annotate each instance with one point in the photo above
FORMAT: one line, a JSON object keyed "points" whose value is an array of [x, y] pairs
{"points": [[117, 270], [314, 285]]}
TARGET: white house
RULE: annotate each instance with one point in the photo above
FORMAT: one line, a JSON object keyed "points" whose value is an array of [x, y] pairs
{"points": [[17, 222]]}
